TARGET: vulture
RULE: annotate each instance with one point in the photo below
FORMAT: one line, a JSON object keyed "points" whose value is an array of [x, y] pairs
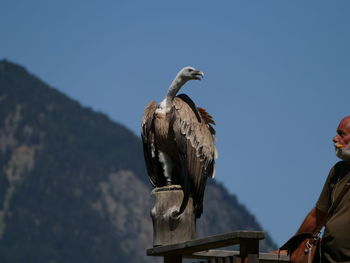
{"points": [[179, 142]]}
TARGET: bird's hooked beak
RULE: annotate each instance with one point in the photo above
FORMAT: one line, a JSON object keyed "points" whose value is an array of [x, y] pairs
{"points": [[198, 75]]}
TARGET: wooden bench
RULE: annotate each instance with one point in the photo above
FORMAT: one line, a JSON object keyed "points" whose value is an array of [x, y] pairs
{"points": [[205, 248]]}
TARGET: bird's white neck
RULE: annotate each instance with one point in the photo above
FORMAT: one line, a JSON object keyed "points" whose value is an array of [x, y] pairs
{"points": [[174, 88]]}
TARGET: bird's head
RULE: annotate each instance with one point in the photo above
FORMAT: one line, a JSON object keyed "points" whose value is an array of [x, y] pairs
{"points": [[184, 75], [189, 73]]}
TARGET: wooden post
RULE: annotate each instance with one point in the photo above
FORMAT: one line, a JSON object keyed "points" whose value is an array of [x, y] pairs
{"points": [[167, 228], [249, 251], [173, 259]]}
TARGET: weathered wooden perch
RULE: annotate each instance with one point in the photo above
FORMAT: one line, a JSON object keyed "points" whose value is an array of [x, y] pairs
{"points": [[207, 248], [167, 227], [174, 236]]}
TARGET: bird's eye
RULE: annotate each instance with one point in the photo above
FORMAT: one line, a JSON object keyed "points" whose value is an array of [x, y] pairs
{"points": [[190, 70]]}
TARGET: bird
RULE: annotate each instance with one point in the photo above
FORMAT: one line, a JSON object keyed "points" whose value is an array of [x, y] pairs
{"points": [[179, 142]]}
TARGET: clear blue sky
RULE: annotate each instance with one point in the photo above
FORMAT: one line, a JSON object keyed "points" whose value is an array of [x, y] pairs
{"points": [[277, 80]]}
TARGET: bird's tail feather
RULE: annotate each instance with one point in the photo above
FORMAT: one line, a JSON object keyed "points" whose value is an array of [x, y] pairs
{"points": [[186, 186]]}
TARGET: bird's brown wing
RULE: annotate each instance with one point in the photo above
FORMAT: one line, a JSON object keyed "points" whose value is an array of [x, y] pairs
{"points": [[208, 119], [196, 147], [154, 167]]}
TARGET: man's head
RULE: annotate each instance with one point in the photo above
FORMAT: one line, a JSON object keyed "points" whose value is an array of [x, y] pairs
{"points": [[342, 140]]}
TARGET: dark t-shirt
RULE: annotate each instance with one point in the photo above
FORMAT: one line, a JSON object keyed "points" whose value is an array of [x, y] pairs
{"points": [[336, 238]]}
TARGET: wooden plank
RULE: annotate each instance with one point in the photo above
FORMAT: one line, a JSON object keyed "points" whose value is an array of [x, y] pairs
{"points": [[269, 257], [213, 253], [202, 244], [216, 253]]}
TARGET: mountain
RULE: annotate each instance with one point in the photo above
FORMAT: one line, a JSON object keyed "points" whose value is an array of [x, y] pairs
{"points": [[73, 185]]}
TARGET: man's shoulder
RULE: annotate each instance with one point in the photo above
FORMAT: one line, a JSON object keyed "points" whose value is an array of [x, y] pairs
{"points": [[341, 164], [340, 170], [336, 167]]}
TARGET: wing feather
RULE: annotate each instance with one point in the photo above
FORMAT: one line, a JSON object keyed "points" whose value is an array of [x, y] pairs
{"points": [[192, 133], [154, 167], [206, 116]]}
